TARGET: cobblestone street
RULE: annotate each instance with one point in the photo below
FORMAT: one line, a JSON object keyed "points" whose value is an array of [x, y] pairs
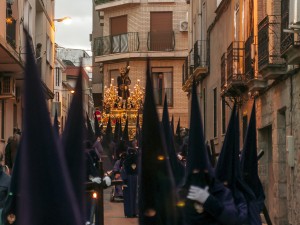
{"points": [[114, 212]]}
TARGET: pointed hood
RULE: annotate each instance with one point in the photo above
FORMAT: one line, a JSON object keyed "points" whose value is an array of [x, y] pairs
{"points": [[227, 166], [108, 132], [249, 162], [116, 132], [138, 135], [73, 142], [97, 127], [125, 132], [172, 124], [177, 168], [44, 178], [177, 134], [90, 136], [197, 158], [55, 124], [157, 197]]}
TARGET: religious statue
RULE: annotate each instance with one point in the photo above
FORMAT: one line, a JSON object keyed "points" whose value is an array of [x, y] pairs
{"points": [[123, 83]]}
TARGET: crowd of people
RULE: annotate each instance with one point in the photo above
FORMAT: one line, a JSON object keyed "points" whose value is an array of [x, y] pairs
{"points": [[165, 180]]}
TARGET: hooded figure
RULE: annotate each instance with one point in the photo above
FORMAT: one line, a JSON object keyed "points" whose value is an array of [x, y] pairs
{"points": [[157, 191], [228, 167], [208, 201], [250, 172], [129, 174], [176, 166], [47, 194]]}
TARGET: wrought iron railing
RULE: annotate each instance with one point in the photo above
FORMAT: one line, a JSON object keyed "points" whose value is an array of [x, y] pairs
{"points": [[249, 72], [200, 56], [11, 32], [287, 39], [191, 61], [161, 41], [159, 96], [235, 62], [185, 71], [223, 71], [128, 42], [269, 41]]}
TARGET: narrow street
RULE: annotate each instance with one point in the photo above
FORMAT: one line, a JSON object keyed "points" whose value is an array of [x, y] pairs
{"points": [[114, 212]]}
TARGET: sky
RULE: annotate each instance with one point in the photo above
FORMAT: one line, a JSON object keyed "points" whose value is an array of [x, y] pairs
{"points": [[76, 34]]}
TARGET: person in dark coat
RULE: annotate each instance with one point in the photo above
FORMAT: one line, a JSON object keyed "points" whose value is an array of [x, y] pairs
{"points": [[118, 190], [11, 148], [129, 176], [93, 175], [4, 186]]}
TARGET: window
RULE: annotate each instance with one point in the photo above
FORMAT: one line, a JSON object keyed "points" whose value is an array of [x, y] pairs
{"points": [[163, 85], [215, 112], [57, 96], [223, 115], [236, 22], [118, 31], [49, 50], [57, 76], [161, 31], [28, 17]]}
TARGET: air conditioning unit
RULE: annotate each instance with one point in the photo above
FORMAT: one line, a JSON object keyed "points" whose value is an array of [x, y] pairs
{"points": [[184, 26], [8, 87], [294, 12]]}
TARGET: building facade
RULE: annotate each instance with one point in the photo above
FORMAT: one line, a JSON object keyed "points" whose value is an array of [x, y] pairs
{"points": [[251, 51], [37, 17], [134, 31]]}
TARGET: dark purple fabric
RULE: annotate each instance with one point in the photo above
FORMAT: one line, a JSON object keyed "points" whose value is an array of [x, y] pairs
{"points": [[47, 196]]}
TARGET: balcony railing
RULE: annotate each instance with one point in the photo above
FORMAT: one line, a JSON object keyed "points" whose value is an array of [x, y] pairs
{"points": [[269, 42], [200, 57], [287, 39], [223, 71], [249, 71], [128, 42], [235, 61], [161, 41], [159, 96], [185, 70], [11, 32]]}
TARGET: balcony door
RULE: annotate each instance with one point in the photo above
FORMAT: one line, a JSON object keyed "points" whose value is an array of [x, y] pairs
{"points": [[118, 32], [161, 31]]}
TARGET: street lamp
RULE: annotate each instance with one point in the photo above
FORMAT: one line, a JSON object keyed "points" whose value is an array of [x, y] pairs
{"points": [[65, 20]]}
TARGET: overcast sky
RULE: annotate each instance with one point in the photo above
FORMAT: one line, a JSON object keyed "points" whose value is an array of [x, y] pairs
{"points": [[76, 34]]}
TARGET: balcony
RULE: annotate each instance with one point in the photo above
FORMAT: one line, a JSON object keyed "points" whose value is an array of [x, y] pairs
{"points": [[236, 80], [270, 63], [200, 59], [254, 82], [290, 44], [185, 70], [11, 32], [223, 73], [188, 75], [123, 43], [106, 4], [198, 65]]}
